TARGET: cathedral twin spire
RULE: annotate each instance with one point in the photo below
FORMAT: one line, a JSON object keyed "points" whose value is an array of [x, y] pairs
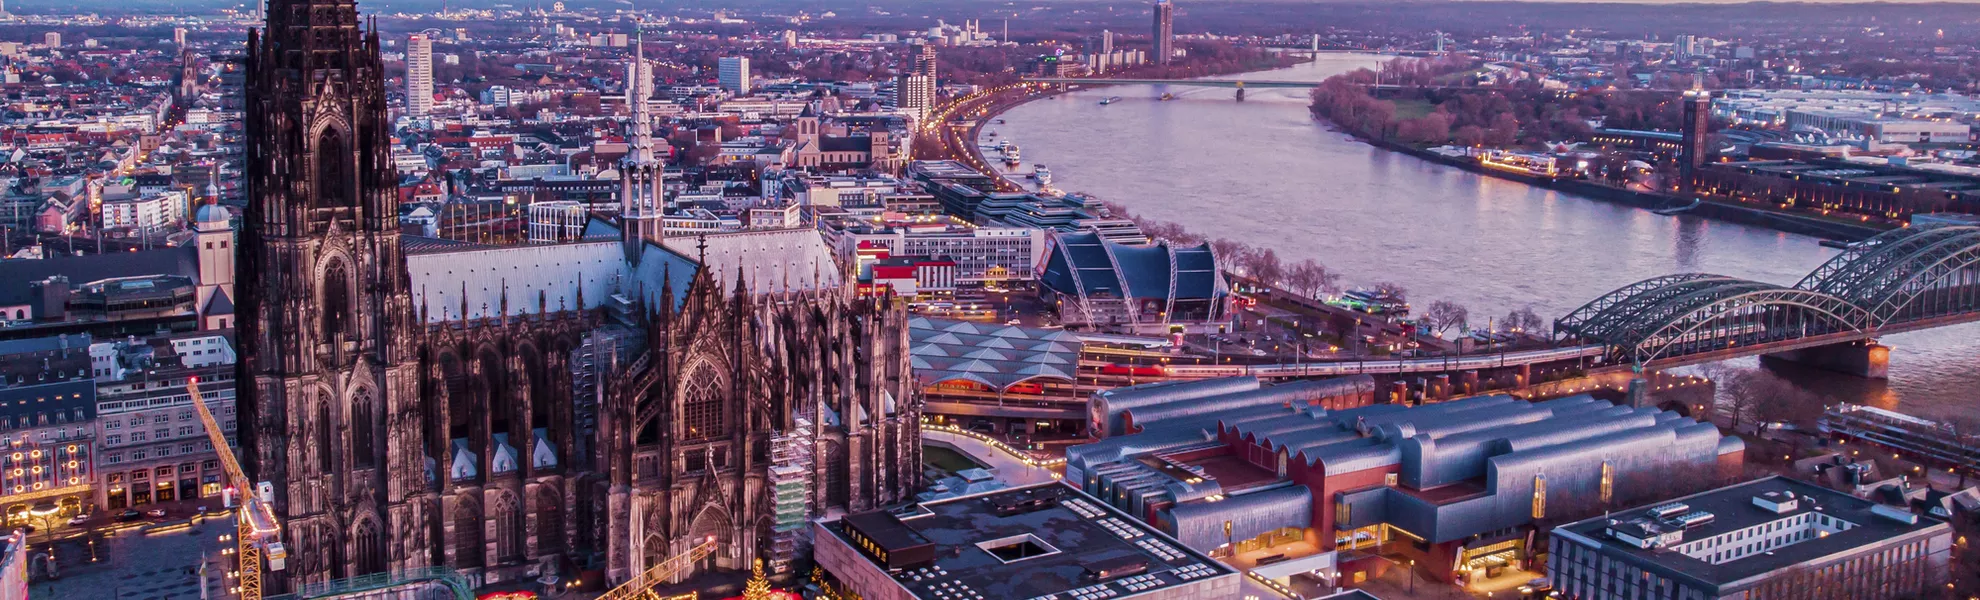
{"points": [[641, 204], [639, 91]]}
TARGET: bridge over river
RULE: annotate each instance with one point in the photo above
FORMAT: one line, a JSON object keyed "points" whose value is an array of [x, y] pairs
{"points": [[1901, 280]]}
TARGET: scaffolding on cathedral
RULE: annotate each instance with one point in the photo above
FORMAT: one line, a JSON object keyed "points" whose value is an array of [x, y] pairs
{"points": [[790, 476]]}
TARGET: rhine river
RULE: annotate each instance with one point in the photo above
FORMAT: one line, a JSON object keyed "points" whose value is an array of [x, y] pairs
{"points": [[1265, 172]]}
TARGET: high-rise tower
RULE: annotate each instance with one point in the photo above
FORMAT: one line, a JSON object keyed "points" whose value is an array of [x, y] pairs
{"points": [[1164, 34], [1697, 125], [732, 72], [419, 75]]}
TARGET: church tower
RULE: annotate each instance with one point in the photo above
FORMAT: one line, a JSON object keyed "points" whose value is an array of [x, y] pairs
{"points": [[326, 324], [642, 205]]}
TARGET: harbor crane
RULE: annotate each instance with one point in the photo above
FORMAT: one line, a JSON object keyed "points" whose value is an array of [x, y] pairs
{"points": [[258, 534]]}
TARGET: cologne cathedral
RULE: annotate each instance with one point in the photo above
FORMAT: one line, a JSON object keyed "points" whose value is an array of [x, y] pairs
{"points": [[518, 411]]}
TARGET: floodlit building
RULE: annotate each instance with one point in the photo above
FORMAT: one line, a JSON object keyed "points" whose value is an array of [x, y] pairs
{"points": [[47, 448], [1233, 468], [1099, 284], [1771, 538], [1041, 541]]}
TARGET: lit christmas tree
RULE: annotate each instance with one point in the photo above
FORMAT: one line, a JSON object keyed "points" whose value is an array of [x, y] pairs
{"points": [[757, 588]]}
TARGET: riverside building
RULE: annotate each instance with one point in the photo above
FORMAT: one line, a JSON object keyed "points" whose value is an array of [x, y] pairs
{"points": [[1770, 538]]}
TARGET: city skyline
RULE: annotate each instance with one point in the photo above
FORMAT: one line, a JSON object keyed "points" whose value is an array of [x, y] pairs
{"points": [[588, 300]]}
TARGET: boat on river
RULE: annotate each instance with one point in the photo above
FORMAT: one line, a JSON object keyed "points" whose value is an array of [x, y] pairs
{"points": [[1043, 175], [1681, 209], [1110, 100], [1374, 302]]}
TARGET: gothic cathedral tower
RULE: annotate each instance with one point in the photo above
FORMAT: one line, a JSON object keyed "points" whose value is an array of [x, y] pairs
{"points": [[328, 388]]}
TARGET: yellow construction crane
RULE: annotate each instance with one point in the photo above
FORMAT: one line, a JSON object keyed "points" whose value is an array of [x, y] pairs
{"points": [[258, 533], [641, 587]]}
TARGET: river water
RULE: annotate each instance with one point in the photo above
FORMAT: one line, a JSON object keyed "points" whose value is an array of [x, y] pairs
{"points": [[1264, 172]]}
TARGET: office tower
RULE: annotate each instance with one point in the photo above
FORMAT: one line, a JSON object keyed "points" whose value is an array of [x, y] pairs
{"points": [[419, 75], [733, 74], [1164, 44], [922, 55], [1697, 124]]}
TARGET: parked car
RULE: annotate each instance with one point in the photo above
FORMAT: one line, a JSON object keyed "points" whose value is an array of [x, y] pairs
{"points": [[79, 519], [155, 513], [129, 514]]}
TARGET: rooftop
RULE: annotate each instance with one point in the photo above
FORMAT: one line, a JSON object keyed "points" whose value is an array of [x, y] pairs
{"points": [[1737, 507], [1040, 541], [996, 356]]}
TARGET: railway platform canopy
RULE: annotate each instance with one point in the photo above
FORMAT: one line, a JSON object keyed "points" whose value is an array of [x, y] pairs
{"points": [[990, 357]]}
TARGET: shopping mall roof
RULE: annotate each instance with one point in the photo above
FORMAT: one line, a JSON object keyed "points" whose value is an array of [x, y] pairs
{"points": [[996, 356]]}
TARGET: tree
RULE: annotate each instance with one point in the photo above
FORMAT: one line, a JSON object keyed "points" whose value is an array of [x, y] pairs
{"points": [[1444, 315], [1524, 320], [1263, 265], [1753, 394], [1393, 290], [1788, 404], [1310, 278]]}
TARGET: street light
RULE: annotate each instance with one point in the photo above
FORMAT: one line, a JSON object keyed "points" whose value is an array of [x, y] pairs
{"points": [[1412, 576]]}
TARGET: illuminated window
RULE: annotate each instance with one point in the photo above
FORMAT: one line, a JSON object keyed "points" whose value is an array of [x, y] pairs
{"points": [[1539, 495], [1608, 482]]}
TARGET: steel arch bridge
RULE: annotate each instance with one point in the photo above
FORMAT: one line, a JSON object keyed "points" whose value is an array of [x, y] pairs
{"points": [[1900, 280]]}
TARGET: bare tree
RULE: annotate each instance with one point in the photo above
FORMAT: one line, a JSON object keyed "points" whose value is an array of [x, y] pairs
{"points": [[1393, 289], [1263, 265], [1445, 314], [1788, 404], [1754, 394], [1230, 253], [1524, 320], [1310, 278]]}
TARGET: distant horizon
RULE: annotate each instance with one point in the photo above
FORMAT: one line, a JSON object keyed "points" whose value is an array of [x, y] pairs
{"points": [[37, 5]]}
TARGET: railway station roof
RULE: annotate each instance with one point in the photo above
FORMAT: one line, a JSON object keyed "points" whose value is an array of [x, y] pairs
{"points": [[996, 356]]}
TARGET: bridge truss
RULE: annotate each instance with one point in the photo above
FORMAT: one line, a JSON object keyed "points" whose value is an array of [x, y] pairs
{"points": [[1901, 279]]}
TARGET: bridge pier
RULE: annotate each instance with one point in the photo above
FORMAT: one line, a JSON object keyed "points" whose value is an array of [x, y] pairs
{"points": [[1867, 359], [1638, 393]]}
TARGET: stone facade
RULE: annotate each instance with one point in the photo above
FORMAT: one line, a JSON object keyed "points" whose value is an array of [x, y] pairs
{"points": [[398, 439]]}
